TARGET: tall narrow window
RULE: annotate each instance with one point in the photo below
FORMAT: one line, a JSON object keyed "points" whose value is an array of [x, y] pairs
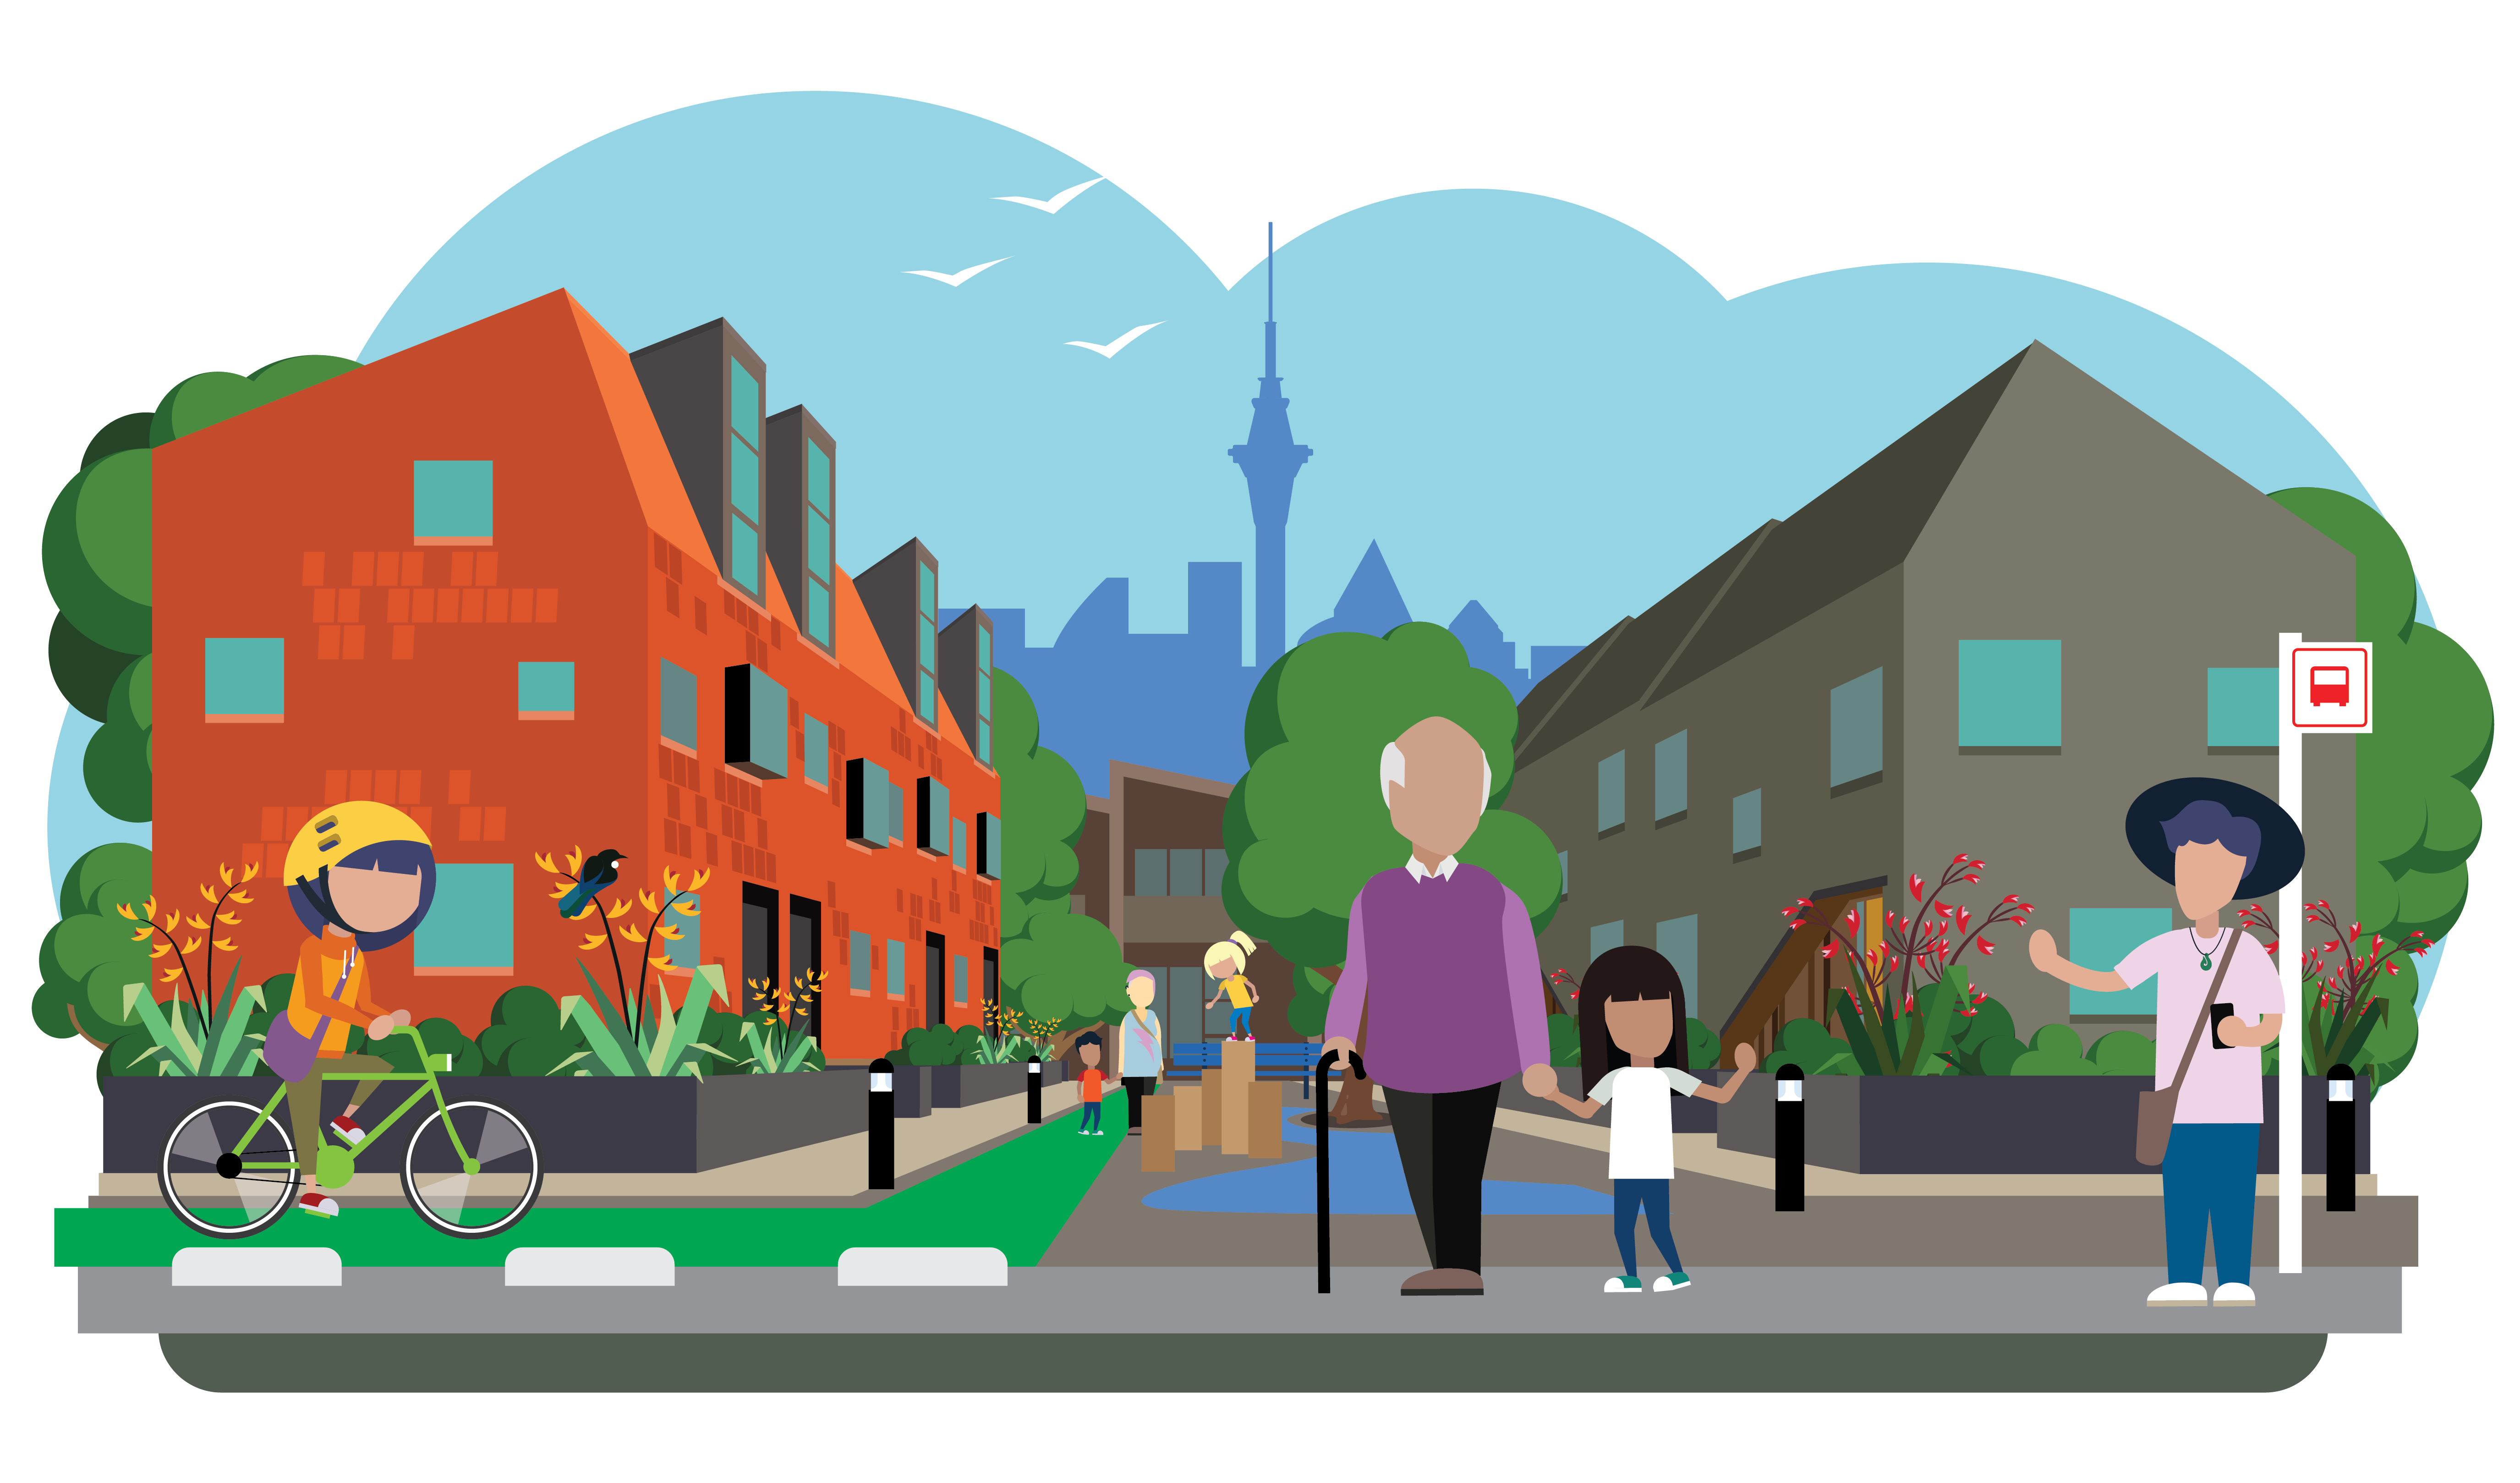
{"points": [[927, 643], [1611, 792], [678, 704], [818, 544], [744, 479], [1854, 729], [980, 741], [1671, 776]]}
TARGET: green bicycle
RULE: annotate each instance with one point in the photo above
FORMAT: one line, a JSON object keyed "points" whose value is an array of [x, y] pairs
{"points": [[471, 1169]]}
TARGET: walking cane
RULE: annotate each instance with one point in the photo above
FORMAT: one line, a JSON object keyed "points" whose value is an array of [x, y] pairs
{"points": [[1322, 1160]]}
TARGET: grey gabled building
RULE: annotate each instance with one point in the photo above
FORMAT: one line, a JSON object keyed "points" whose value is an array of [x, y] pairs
{"points": [[1989, 638]]}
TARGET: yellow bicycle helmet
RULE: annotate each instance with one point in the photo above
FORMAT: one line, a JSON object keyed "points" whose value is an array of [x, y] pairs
{"points": [[334, 834]]}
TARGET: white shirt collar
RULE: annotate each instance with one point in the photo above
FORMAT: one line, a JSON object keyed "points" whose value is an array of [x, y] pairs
{"points": [[1419, 871]]}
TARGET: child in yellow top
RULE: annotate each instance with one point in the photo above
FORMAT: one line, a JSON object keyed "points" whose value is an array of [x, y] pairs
{"points": [[1226, 962]]}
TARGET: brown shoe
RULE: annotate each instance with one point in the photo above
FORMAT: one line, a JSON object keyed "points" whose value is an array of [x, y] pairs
{"points": [[1444, 1281]]}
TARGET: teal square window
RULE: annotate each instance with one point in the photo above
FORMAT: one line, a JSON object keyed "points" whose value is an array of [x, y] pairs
{"points": [[744, 479], [450, 499], [1676, 939], [743, 557], [818, 752], [893, 957], [1745, 820], [860, 964], [2100, 937], [470, 921], [678, 704], [817, 490], [2011, 692], [744, 401], [1610, 792], [761, 746], [1606, 937], [243, 677], [1854, 729], [2240, 707], [546, 688], [1671, 776]]}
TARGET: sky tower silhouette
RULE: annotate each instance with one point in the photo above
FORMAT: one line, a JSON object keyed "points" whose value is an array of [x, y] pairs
{"points": [[1269, 461]]}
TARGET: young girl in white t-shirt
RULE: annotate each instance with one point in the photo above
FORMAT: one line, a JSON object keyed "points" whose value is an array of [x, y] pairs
{"points": [[1630, 1000]]}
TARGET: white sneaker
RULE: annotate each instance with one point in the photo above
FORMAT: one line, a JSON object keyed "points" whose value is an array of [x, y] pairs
{"points": [[1623, 1285], [2177, 1295], [2234, 1295], [1671, 1282], [319, 1205]]}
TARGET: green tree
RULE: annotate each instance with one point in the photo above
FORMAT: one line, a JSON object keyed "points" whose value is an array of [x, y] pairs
{"points": [[97, 564], [1054, 964], [2415, 815], [1306, 828]]}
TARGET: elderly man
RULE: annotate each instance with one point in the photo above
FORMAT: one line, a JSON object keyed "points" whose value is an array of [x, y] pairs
{"points": [[1446, 952]]}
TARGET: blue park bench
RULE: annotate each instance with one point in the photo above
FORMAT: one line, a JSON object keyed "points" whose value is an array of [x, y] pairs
{"points": [[1295, 1059]]}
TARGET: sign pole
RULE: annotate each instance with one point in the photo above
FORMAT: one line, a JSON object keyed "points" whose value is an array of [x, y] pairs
{"points": [[2288, 932]]}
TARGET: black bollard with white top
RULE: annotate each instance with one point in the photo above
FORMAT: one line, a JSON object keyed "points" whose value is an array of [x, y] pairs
{"points": [[1790, 1137], [1032, 1091], [880, 1124], [2342, 1144]]}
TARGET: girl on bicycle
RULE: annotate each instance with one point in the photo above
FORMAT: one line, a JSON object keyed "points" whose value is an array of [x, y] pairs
{"points": [[1630, 1005], [360, 878]]}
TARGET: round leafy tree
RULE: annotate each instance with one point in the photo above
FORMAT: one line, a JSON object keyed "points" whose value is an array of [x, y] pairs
{"points": [[1307, 826], [1053, 966]]}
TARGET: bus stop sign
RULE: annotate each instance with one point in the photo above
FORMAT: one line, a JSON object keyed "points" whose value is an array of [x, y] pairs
{"points": [[2330, 688]]}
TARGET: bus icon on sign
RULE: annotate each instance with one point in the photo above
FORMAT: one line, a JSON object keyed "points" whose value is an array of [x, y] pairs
{"points": [[2330, 687]]}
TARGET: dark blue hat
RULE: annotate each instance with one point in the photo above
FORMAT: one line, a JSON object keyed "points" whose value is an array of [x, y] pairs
{"points": [[2280, 846]]}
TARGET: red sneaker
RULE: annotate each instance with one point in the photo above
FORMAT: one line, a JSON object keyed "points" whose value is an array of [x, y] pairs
{"points": [[351, 1133], [318, 1205]]}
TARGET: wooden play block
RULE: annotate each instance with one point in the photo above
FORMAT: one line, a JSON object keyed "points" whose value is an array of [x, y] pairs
{"points": [[1155, 1135], [1234, 1114], [1186, 1119], [1267, 1115], [1211, 1106], [1239, 1062]]}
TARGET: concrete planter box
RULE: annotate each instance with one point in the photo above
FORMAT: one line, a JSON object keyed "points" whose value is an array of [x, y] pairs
{"points": [[969, 1086], [1688, 1114], [582, 1124], [1995, 1124]]}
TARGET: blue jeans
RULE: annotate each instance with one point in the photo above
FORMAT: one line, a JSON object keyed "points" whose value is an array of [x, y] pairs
{"points": [[1653, 1198], [2210, 1175], [1092, 1118], [1239, 1024]]}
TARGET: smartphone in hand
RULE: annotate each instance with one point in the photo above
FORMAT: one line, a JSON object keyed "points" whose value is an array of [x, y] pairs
{"points": [[2222, 1013]]}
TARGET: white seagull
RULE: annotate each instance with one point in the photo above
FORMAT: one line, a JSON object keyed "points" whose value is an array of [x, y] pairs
{"points": [[955, 280], [1116, 346], [1053, 205]]}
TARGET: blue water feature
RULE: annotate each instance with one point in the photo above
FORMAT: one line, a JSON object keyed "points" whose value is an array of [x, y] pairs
{"points": [[1365, 1180]]}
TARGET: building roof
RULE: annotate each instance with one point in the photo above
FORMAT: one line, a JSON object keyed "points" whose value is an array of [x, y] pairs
{"points": [[1775, 577]]}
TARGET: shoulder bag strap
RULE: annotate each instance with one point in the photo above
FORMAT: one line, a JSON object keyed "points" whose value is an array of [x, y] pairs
{"points": [[2205, 1010]]}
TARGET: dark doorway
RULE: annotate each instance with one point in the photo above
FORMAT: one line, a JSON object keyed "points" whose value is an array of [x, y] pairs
{"points": [[760, 944], [989, 978], [806, 957], [935, 978]]}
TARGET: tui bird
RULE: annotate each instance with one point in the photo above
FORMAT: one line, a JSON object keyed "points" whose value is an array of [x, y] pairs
{"points": [[600, 871]]}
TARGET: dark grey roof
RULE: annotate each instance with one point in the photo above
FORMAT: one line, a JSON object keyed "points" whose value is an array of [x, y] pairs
{"points": [[1778, 575]]}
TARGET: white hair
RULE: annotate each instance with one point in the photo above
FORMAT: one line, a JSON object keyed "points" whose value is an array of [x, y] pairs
{"points": [[1395, 769]]}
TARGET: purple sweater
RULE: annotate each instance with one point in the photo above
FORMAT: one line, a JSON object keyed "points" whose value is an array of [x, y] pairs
{"points": [[1455, 979]]}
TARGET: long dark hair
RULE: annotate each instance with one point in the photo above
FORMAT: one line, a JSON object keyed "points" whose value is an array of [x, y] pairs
{"points": [[1625, 973], [312, 899]]}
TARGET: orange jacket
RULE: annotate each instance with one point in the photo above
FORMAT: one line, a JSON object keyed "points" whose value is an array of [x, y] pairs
{"points": [[311, 1000]]}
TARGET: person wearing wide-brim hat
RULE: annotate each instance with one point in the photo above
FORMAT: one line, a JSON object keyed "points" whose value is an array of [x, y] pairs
{"points": [[2216, 842]]}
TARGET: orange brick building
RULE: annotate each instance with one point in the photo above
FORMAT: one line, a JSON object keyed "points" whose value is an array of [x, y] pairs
{"points": [[540, 593]]}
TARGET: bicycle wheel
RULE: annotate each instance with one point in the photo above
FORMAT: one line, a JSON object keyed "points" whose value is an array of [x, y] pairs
{"points": [[220, 1187], [471, 1204]]}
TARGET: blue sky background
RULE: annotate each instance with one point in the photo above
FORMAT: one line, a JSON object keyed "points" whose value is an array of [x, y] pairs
{"points": [[1526, 402]]}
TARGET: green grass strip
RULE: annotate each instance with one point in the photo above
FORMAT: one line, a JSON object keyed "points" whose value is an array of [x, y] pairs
{"points": [[1016, 1197]]}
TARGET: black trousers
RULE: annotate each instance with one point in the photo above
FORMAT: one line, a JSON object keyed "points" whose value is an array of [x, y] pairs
{"points": [[1140, 1089], [1443, 1139]]}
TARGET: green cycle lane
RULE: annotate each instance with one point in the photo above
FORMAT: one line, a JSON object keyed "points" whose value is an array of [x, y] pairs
{"points": [[1016, 1197]]}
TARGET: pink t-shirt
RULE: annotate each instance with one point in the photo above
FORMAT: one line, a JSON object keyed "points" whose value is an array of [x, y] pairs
{"points": [[2224, 1083]]}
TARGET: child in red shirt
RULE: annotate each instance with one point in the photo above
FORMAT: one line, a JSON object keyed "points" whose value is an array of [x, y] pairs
{"points": [[1088, 1087]]}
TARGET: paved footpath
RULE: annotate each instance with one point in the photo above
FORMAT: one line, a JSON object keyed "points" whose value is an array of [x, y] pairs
{"points": [[1243, 1300]]}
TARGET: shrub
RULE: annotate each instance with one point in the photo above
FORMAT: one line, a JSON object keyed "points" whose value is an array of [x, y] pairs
{"points": [[2122, 1053], [526, 1036], [926, 1045], [2055, 1051], [1808, 1044]]}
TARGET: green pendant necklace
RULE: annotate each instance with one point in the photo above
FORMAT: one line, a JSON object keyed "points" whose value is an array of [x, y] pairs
{"points": [[2204, 955]]}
